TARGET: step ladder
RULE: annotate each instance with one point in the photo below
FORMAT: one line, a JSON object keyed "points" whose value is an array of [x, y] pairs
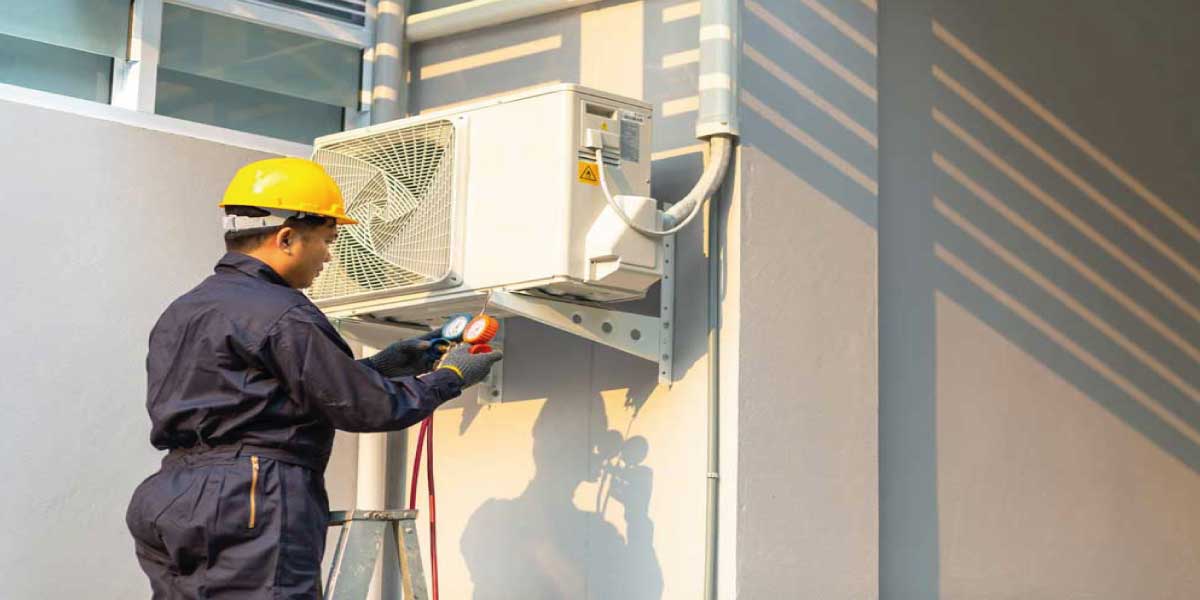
{"points": [[360, 545]]}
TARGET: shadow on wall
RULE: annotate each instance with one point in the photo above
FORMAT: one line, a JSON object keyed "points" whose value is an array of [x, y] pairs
{"points": [[543, 543], [808, 95], [493, 62], [1063, 251]]}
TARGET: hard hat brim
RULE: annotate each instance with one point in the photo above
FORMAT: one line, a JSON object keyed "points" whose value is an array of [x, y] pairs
{"points": [[342, 219]]}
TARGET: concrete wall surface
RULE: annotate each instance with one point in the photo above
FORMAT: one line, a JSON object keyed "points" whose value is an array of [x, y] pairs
{"points": [[1040, 279], [807, 398], [105, 224]]}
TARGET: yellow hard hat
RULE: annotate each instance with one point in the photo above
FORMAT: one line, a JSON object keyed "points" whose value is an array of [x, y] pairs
{"points": [[287, 184]]}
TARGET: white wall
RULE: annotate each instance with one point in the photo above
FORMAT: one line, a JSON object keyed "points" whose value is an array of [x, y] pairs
{"points": [[524, 507], [105, 223]]}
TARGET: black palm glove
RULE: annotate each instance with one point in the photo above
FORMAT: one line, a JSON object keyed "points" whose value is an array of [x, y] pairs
{"points": [[404, 358], [472, 368]]}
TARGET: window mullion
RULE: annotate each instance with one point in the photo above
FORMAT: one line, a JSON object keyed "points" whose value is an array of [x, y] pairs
{"points": [[362, 116], [135, 78]]}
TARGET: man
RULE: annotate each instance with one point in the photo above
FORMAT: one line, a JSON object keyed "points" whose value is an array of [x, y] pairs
{"points": [[247, 381]]}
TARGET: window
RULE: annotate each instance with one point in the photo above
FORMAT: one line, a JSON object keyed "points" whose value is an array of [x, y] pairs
{"points": [[63, 46], [348, 11], [241, 75]]}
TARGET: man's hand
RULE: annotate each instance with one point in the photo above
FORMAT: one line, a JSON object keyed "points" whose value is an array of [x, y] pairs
{"points": [[404, 358], [472, 368]]}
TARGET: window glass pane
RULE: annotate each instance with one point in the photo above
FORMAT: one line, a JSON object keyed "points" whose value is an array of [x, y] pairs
{"points": [[250, 55], [54, 69], [244, 108], [95, 26]]}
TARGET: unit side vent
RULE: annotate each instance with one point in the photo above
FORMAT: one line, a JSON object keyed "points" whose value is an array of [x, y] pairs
{"points": [[399, 186]]}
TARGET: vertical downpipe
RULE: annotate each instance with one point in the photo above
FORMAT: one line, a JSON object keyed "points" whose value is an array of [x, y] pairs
{"points": [[389, 96], [719, 51], [389, 101]]}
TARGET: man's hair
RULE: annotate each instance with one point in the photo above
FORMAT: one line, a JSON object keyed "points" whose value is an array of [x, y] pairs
{"points": [[249, 239]]}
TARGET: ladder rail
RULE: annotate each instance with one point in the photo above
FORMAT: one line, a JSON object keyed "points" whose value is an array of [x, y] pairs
{"points": [[360, 545]]}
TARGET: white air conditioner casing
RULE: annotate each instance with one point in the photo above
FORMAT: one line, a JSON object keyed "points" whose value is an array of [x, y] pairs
{"points": [[491, 196]]}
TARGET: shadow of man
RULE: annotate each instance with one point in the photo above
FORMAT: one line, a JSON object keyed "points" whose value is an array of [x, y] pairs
{"points": [[540, 545]]}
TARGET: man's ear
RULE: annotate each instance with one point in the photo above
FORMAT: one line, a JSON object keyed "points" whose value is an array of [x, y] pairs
{"points": [[285, 238]]}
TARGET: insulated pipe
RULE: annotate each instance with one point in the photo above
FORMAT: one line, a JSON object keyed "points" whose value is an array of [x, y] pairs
{"points": [[389, 94], [371, 490], [711, 508], [720, 148], [717, 119], [477, 14], [719, 50]]}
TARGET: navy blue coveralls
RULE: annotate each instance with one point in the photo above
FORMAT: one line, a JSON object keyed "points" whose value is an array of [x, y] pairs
{"points": [[247, 381]]}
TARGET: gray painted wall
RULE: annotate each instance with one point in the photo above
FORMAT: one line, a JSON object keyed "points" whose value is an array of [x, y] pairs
{"points": [[807, 429], [1039, 284], [106, 224]]}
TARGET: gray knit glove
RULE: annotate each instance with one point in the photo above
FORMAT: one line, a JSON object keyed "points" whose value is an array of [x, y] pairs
{"points": [[472, 368], [404, 358]]}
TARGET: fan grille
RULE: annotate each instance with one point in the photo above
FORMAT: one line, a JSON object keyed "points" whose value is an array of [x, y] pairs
{"points": [[398, 185]]}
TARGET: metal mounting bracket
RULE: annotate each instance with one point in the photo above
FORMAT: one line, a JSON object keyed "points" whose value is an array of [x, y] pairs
{"points": [[491, 389], [648, 337]]}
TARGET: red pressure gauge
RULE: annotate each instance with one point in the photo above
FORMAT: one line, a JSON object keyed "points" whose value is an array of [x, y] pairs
{"points": [[481, 330]]}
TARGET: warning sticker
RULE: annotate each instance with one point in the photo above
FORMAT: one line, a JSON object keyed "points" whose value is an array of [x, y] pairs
{"points": [[588, 173]]}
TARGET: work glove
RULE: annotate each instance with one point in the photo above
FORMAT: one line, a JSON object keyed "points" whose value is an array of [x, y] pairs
{"points": [[472, 368], [406, 357]]}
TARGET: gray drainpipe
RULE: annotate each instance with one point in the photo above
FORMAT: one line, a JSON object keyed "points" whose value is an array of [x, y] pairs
{"points": [[389, 96], [389, 101], [720, 48]]}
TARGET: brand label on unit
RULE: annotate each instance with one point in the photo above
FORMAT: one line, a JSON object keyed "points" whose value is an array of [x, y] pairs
{"points": [[631, 135]]}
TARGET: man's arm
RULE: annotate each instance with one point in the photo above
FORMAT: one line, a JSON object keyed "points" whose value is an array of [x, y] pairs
{"points": [[354, 397]]}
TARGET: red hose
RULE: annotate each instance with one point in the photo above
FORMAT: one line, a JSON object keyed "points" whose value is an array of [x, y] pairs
{"points": [[433, 562], [425, 441], [416, 468]]}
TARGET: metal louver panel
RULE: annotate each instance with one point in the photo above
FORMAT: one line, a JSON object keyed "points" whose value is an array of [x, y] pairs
{"points": [[347, 11], [399, 186]]}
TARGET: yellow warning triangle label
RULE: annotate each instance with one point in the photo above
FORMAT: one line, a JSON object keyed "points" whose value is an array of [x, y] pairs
{"points": [[588, 173]]}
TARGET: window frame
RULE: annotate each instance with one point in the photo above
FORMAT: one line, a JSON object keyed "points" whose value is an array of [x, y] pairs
{"points": [[135, 78]]}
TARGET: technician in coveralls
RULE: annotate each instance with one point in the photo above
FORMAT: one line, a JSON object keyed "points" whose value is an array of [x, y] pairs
{"points": [[247, 381]]}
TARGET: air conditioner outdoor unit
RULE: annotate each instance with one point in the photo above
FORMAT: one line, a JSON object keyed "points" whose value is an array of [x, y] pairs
{"points": [[501, 203], [501, 195]]}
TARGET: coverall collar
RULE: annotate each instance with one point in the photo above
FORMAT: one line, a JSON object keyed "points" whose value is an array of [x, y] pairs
{"points": [[250, 266]]}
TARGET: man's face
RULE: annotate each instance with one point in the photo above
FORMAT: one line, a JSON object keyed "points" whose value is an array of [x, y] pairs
{"points": [[309, 253]]}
